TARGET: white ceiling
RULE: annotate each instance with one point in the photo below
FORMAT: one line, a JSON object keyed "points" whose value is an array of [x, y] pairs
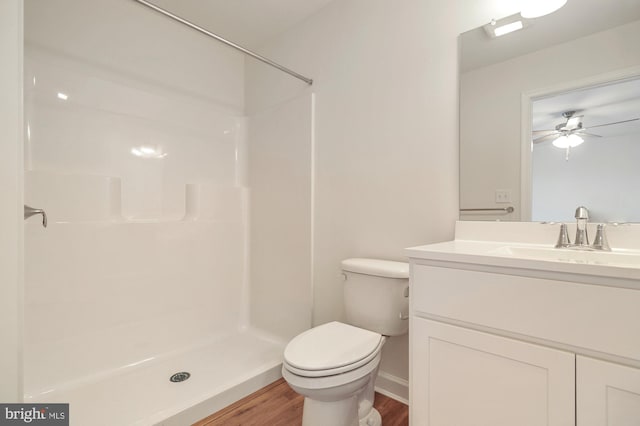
{"points": [[251, 22], [475, 13], [577, 18], [248, 23]]}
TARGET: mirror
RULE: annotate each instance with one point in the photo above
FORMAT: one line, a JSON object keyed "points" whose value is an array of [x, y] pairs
{"points": [[585, 150], [514, 86]]}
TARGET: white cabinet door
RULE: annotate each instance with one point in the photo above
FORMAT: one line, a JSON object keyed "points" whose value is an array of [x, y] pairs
{"points": [[607, 394], [462, 377]]}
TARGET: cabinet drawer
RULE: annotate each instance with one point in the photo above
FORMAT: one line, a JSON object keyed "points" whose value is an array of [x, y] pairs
{"points": [[599, 318]]}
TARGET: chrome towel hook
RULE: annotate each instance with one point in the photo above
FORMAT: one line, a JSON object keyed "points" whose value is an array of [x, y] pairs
{"points": [[30, 211]]}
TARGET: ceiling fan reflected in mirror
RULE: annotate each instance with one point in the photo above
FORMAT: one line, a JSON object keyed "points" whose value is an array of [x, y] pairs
{"points": [[570, 133]]}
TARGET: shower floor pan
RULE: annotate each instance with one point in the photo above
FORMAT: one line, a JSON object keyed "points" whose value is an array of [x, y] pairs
{"points": [[220, 373]]}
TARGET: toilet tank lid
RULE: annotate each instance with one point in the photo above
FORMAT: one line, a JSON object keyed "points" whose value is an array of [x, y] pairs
{"points": [[376, 267]]}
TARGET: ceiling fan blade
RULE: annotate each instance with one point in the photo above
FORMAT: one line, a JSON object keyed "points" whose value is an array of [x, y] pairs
{"points": [[543, 138], [547, 130], [583, 132], [611, 124], [590, 134]]}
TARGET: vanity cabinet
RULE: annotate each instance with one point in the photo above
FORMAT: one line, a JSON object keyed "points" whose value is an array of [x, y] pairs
{"points": [[607, 394], [494, 346], [468, 378]]}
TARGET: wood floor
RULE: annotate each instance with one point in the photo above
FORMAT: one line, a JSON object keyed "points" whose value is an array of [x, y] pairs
{"points": [[278, 405]]}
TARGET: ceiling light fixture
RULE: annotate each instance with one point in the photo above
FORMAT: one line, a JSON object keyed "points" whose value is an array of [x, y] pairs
{"points": [[538, 8], [509, 28], [148, 152], [568, 141], [505, 26]]}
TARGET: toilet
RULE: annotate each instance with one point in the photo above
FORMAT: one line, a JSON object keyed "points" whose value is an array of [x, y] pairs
{"points": [[334, 365]]}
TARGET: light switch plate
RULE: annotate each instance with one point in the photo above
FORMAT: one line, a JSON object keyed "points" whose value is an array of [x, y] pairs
{"points": [[503, 196]]}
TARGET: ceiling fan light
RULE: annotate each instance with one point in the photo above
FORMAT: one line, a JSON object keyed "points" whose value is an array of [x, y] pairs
{"points": [[537, 8], [570, 141], [574, 140], [561, 142]]}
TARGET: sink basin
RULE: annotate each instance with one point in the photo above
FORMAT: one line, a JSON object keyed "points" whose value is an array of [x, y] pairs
{"points": [[626, 258]]}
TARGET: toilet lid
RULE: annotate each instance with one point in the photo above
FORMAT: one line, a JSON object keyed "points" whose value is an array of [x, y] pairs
{"points": [[331, 346]]}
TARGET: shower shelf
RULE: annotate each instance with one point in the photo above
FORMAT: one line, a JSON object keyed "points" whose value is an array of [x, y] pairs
{"points": [[93, 199]]}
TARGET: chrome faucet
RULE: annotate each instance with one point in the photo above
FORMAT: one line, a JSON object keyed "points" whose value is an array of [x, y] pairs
{"points": [[582, 239], [30, 211], [582, 219]]}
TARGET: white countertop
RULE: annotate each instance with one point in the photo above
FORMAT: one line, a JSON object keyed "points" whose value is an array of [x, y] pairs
{"points": [[527, 245]]}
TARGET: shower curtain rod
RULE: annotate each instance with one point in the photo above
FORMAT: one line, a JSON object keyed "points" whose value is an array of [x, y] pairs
{"points": [[227, 42]]}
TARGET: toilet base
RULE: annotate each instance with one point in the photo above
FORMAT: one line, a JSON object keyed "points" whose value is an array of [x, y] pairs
{"points": [[336, 413], [372, 419]]}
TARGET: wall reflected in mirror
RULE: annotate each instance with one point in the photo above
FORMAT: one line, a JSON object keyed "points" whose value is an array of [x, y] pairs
{"points": [[514, 87], [586, 150]]}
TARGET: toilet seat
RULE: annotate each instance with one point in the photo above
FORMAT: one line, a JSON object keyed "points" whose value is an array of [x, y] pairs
{"points": [[330, 349], [297, 381]]}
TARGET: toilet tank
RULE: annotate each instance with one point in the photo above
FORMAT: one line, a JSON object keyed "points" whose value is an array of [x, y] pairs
{"points": [[376, 295]]}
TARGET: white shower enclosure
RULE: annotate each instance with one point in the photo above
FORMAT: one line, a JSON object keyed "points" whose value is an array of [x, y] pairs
{"points": [[179, 232]]}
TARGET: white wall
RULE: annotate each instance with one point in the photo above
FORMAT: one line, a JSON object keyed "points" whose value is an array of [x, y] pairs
{"points": [[385, 79], [142, 255], [490, 112], [280, 171], [11, 205]]}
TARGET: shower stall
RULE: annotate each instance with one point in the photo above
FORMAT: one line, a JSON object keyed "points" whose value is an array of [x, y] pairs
{"points": [[179, 226]]}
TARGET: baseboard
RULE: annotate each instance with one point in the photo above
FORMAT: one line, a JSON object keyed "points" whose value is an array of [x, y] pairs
{"points": [[393, 387]]}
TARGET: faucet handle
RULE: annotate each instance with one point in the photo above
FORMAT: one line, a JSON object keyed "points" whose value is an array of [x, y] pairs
{"points": [[600, 241], [563, 238]]}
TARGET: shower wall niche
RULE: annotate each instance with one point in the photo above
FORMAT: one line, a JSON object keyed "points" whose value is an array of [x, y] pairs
{"points": [[137, 147]]}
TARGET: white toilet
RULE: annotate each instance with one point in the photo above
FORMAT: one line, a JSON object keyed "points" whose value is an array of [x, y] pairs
{"points": [[334, 365]]}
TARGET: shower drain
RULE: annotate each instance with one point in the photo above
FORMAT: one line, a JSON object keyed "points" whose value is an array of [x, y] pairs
{"points": [[180, 377]]}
